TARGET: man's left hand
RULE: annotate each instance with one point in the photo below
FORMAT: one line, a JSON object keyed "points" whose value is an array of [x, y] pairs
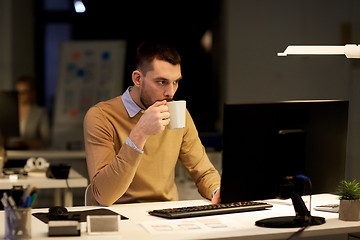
{"points": [[216, 197]]}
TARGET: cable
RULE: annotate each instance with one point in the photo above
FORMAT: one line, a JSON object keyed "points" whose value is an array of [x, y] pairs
{"points": [[67, 184], [299, 231], [308, 223], [310, 193]]}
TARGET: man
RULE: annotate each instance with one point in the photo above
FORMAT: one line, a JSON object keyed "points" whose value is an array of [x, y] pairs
{"points": [[130, 153], [33, 119]]}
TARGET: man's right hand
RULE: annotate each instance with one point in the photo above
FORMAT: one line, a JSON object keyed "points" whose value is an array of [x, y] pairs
{"points": [[154, 121]]}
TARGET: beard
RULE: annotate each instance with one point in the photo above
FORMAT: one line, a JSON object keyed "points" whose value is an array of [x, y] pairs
{"points": [[145, 102], [145, 97]]}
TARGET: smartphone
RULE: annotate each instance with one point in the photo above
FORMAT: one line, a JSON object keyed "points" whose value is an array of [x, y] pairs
{"points": [[328, 208]]}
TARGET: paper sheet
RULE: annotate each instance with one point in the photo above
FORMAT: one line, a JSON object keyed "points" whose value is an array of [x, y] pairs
{"points": [[198, 225]]}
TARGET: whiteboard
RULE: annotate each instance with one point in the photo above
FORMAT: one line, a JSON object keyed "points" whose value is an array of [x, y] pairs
{"points": [[89, 72]]}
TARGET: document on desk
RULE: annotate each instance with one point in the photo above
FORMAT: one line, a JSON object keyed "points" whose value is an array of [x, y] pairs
{"points": [[198, 225]]}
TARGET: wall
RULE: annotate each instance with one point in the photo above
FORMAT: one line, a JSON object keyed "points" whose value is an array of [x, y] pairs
{"points": [[16, 41], [255, 31], [5, 45], [353, 166]]}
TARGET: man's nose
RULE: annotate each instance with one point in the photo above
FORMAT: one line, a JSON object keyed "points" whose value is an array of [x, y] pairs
{"points": [[169, 91]]}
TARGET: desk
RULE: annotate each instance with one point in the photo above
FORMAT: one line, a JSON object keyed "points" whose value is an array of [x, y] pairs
{"points": [[75, 180], [76, 159], [47, 154], [246, 229]]}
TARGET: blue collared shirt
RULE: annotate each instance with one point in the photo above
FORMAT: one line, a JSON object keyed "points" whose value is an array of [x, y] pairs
{"points": [[132, 109], [129, 104]]}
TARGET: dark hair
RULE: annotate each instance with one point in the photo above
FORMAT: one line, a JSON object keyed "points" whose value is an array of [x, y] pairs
{"points": [[149, 50], [28, 80]]}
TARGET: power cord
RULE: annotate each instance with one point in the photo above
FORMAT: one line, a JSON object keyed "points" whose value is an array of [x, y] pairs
{"points": [[67, 184], [308, 222], [300, 230]]}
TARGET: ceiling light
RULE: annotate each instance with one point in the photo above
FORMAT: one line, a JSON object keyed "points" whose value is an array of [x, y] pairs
{"points": [[79, 6]]}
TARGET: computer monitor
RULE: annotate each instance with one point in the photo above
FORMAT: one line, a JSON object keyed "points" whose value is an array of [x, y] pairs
{"points": [[265, 142], [9, 115]]}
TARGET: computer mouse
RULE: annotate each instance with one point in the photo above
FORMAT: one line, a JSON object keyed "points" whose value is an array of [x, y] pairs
{"points": [[58, 213]]}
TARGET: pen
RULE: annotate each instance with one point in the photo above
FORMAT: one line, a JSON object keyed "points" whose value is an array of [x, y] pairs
{"points": [[27, 202], [33, 197], [27, 192], [11, 202], [13, 207], [4, 202]]}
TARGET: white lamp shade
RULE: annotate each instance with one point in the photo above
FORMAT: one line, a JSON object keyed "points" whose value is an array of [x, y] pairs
{"points": [[349, 50]]}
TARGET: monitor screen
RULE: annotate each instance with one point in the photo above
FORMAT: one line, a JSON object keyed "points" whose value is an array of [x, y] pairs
{"points": [[265, 142], [9, 115]]}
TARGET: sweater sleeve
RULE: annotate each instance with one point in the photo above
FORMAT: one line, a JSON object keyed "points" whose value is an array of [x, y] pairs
{"points": [[104, 169], [196, 161]]}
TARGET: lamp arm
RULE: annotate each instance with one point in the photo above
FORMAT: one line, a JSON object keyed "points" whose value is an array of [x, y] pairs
{"points": [[349, 50]]}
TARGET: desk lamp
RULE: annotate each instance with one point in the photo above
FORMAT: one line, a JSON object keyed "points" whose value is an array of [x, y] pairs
{"points": [[303, 217], [349, 50]]}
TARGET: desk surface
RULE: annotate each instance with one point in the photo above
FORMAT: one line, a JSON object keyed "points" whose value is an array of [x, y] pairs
{"points": [[75, 180], [244, 227], [47, 154]]}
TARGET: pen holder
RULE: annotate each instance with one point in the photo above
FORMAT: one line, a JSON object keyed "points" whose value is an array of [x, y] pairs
{"points": [[17, 223]]}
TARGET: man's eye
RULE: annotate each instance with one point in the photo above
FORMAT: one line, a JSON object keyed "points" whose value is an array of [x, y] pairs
{"points": [[162, 82], [176, 82]]}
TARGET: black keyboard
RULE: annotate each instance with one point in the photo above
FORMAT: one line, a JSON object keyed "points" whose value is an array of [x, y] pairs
{"points": [[207, 210]]}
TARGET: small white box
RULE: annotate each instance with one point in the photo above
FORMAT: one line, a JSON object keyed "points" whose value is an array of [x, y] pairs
{"points": [[100, 224]]}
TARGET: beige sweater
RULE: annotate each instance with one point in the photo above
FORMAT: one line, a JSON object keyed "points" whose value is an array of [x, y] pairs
{"points": [[120, 174]]}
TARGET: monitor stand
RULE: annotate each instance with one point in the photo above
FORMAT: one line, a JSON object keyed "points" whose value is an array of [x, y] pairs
{"points": [[302, 218]]}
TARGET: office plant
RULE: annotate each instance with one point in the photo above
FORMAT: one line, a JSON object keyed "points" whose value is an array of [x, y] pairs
{"points": [[349, 209]]}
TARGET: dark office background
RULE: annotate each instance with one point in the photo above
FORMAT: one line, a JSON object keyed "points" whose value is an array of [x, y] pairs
{"points": [[241, 67], [182, 24]]}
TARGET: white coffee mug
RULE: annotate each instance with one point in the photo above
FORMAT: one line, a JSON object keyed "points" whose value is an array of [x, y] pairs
{"points": [[177, 111]]}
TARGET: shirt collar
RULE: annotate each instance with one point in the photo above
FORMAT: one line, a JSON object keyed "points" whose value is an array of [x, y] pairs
{"points": [[129, 103]]}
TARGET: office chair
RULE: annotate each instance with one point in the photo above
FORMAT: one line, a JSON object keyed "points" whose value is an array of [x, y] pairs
{"points": [[89, 197]]}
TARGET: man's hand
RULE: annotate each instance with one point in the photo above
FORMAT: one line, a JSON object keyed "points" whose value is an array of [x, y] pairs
{"points": [[155, 118], [154, 121], [216, 197]]}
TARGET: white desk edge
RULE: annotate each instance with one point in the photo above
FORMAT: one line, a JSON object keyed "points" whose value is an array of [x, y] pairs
{"points": [[137, 213]]}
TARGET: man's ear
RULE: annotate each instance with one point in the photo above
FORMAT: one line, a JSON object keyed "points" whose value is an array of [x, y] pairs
{"points": [[136, 77]]}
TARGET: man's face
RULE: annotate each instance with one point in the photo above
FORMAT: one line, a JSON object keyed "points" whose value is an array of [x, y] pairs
{"points": [[24, 93], [159, 83]]}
